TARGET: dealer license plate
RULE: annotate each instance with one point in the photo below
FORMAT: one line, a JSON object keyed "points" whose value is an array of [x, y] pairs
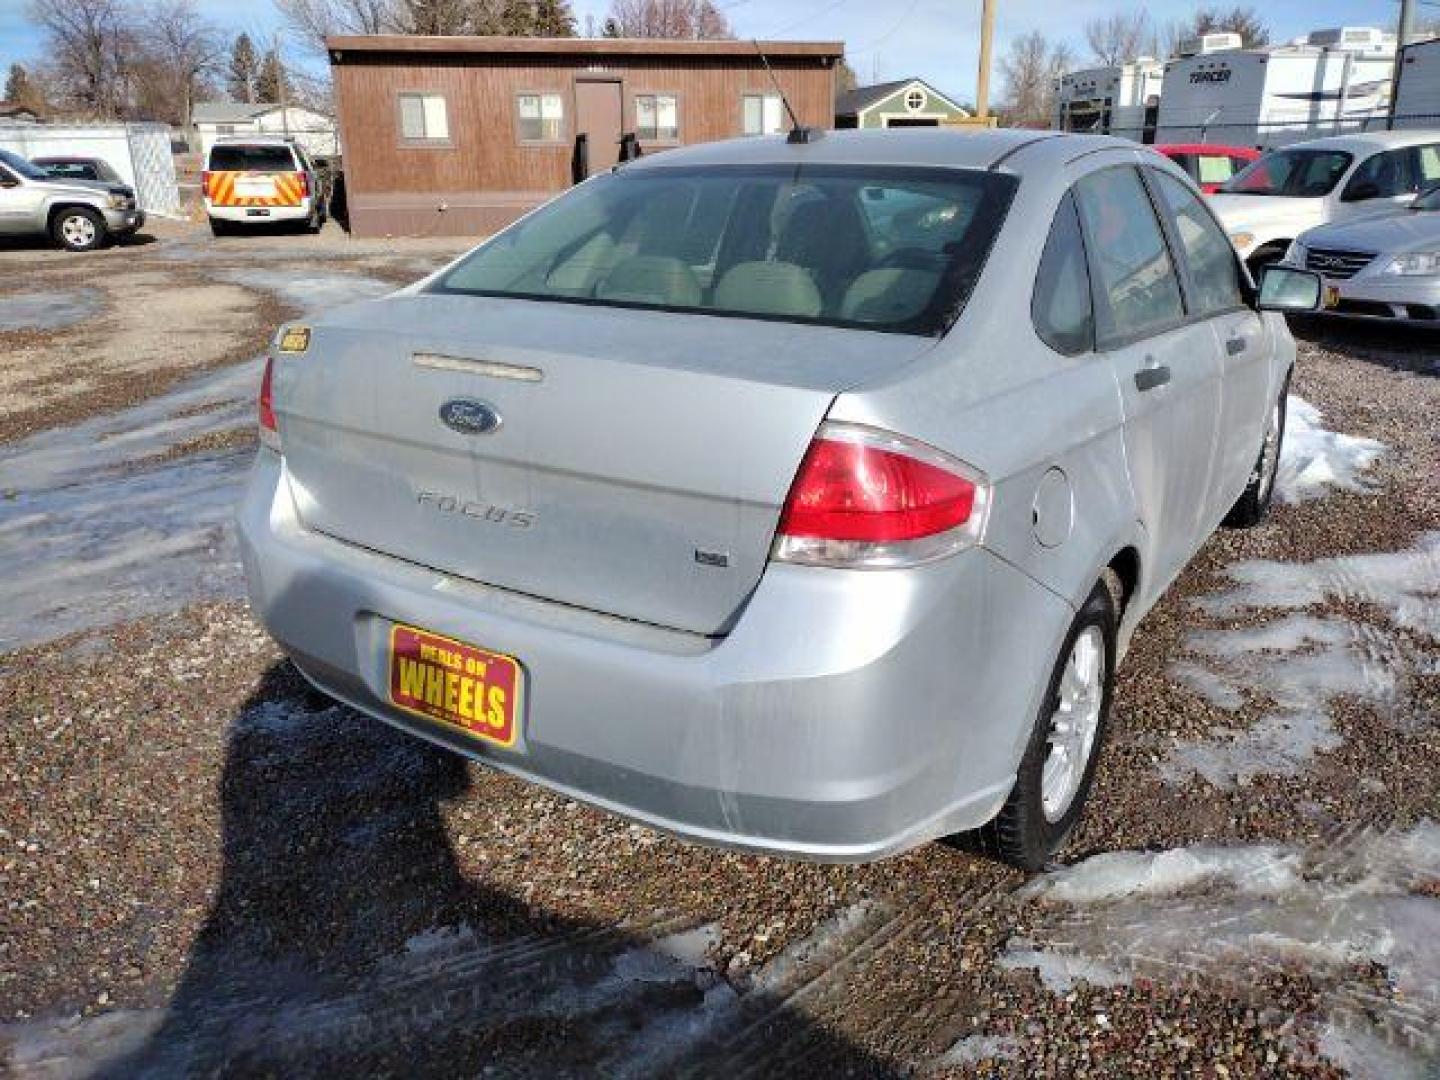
{"points": [[459, 685]]}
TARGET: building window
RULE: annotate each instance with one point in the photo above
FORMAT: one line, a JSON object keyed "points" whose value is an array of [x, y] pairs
{"points": [[915, 100], [542, 117], [657, 117], [423, 119], [764, 114]]}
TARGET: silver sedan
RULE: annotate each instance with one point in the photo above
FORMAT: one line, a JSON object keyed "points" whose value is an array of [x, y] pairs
{"points": [[1386, 266], [793, 495]]}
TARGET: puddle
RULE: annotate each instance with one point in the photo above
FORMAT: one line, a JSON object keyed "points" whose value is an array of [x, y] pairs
{"points": [[53, 309]]}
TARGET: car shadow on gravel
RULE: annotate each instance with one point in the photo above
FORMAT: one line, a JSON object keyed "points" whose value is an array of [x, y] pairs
{"points": [[343, 936]]}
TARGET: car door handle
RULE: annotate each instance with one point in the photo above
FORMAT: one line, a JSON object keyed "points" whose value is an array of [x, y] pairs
{"points": [[1236, 345], [1148, 378]]}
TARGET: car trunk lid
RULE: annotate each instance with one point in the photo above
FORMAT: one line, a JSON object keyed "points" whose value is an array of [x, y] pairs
{"points": [[639, 469]]}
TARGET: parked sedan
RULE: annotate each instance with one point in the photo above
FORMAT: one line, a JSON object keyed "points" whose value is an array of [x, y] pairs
{"points": [[794, 496], [1382, 267]]}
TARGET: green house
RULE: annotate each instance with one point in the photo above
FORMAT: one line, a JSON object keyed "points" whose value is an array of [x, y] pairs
{"points": [[905, 103]]}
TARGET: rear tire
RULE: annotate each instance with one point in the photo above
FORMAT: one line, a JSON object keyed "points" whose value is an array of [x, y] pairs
{"points": [[1058, 766], [78, 228], [1252, 506]]}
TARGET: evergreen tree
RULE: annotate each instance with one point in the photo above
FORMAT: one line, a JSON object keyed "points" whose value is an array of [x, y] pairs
{"points": [[244, 71], [612, 29], [554, 18], [18, 88], [269, 84]]}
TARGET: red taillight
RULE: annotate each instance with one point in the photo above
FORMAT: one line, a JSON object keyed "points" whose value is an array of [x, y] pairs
{"points": [[864, 497], [269, 426], [304, 185], [205, 183]]}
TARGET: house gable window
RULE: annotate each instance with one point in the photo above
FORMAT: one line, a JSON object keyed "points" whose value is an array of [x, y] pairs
{"points": [[657, 117], [541, 118], [424, 119], [763, 114]]}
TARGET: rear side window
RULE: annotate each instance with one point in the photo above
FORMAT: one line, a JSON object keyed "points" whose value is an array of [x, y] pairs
{"points": [[242, 158], [1382, 176], [1214, 168], [1061, 305], [1137, 292], [1214, 270], [880, 248]]}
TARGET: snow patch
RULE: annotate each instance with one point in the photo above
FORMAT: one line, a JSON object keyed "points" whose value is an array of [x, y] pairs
{"points": [[1301, 661], [1314, 459], [1235, 913], [1059, 971], [973, 1049]]}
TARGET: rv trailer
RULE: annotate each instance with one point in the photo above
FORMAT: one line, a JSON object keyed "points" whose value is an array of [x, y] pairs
{"points": [[1121, 100], [1417, 93], [1337, 81]]}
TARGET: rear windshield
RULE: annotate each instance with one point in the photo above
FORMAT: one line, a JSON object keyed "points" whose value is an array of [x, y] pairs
{"points": [[893, 249], [251, 159], [1301, 173]]}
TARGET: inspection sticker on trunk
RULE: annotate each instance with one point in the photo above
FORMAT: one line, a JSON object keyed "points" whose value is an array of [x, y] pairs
{"points": [[466, 687]]}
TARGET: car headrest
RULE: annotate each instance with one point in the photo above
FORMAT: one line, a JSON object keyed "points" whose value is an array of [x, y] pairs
{"points": [[769, 288], [651, 279], [892, 294]]}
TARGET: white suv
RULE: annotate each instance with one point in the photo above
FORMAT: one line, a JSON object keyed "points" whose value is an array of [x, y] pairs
{"points": [[259, 182], [1307, 184]]}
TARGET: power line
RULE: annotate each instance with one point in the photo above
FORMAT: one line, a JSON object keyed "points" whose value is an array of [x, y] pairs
{"points": [[806, 18]]}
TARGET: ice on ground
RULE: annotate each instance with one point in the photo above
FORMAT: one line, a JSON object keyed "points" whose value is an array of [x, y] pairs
{"points": [[311, 291], [1058, 971], [973, 1049], [1404, 584], [96, 534], [1232, 914], [1313, 459], [53, 309], [1302, 662]]}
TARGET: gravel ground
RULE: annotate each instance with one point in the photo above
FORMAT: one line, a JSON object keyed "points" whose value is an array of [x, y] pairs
{"points": [[207, 867]]}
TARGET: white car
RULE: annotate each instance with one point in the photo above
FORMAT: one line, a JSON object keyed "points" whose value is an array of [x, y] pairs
{"points": [[1296, 188], [261, 181]]}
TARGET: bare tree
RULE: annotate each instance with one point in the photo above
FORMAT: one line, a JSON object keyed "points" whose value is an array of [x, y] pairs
{"points": [[180, 50], [1031, 69], [1117, 39], [693, 19], [91, 49], [312, 21]]}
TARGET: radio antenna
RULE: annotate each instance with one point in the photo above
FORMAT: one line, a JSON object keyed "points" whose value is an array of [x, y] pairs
{"points": [[799, 133]]}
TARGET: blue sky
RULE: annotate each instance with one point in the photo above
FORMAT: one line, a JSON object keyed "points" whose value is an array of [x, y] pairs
{"points": [[934, 39]]}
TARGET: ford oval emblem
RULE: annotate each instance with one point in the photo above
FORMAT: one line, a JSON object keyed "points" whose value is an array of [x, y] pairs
{"points": [[470, 417]]}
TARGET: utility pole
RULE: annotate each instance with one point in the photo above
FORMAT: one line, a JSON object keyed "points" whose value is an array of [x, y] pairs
{"points": [[982, 78], [1402, 38]]}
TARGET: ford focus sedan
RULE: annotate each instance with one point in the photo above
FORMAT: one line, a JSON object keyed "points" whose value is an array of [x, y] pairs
{"points": [[793, 495]]}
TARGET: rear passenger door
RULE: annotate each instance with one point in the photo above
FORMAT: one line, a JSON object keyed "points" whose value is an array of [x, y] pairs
{"points": [[1164, 363], [1215, 293]]}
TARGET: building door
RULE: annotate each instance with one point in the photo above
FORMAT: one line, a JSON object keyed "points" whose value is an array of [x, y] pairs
{"points": [[599, 117]]}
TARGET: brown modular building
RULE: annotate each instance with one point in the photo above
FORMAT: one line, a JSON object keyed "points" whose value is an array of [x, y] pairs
{"points": [[461, 135]]}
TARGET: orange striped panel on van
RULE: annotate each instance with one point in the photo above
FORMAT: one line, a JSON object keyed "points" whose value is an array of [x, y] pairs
{"points": [[289, 189]]}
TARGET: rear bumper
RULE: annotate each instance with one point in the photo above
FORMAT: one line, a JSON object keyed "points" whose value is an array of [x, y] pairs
{"points": [[258, 215], [848, 715]]}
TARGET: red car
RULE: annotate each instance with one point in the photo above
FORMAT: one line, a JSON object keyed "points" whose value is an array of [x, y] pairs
{"points": [[1209, 165]]}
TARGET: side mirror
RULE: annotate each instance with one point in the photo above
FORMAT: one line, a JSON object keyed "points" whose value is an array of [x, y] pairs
{"points": [[1284, 288], [1360, 192]]}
